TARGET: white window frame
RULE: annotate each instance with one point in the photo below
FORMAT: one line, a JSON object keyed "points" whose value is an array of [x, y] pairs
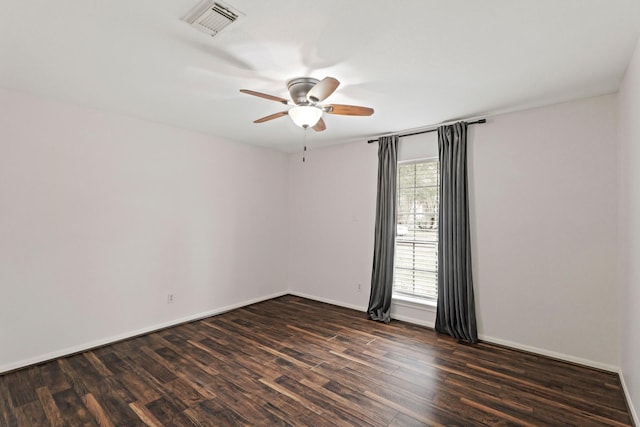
{"points": [[405, 298]]}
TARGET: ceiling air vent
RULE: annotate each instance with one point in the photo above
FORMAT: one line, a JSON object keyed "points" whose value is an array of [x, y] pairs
{"points": [[211, 16]]}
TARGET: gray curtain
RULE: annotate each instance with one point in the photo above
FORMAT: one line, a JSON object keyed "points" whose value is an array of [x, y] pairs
{"points": [[385, 231], [456, 313]]}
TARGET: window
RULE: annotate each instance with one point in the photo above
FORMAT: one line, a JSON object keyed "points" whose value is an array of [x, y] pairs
{"points": [[416, 258]]}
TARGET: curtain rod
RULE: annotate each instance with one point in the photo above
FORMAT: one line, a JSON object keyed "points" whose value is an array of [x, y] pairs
{"points": [[429, 130]]}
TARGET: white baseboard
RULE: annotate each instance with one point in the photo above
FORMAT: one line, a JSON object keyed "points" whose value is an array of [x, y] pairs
{"points": [[549, 353], [361, 308], [413, 320], [115, 338], [632, 409], [329, 301]]}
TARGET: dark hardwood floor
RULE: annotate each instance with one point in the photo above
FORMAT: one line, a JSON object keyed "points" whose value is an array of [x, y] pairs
{"points": [[291, 361]]}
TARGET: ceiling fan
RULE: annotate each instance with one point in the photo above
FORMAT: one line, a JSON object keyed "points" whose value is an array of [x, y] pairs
{"points": [[307, 94]]}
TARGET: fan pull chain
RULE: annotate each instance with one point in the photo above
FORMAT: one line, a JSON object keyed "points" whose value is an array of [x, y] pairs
{"points": [[304, 152]]}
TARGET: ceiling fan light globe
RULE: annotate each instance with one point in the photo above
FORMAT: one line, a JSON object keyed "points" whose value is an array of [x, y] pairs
{"points": [[305, 116]]}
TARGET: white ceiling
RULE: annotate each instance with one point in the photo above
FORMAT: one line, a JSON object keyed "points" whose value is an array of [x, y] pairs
{"points": [[417, 63]]}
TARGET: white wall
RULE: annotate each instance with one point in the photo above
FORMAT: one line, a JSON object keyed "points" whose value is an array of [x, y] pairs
{"points": [[332, 197], [101, 216], [543, 204], [629, 184]]}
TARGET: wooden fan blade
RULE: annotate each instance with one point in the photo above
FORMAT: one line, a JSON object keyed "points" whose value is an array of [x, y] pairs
{"points": [[320, 126], [349, 110], [265, 96], [271, 117], [322, 89]]}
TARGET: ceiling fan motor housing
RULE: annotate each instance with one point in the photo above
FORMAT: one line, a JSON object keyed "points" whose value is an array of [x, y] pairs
{"points": [[299, 87]]}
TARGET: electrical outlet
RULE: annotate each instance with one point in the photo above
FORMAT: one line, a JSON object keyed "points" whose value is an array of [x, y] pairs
{"points": [[170, 298]]}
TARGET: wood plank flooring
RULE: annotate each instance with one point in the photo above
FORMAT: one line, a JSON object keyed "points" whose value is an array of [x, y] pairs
{"points": [[295, 362]]}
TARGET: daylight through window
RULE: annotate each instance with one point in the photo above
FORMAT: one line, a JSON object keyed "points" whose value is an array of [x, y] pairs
{"points": [[416, 254]]}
